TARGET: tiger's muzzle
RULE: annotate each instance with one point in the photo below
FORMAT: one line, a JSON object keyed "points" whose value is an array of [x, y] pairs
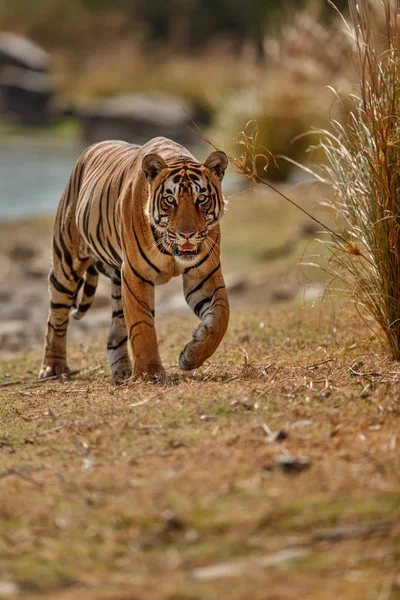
{"points": [[186, 245]]}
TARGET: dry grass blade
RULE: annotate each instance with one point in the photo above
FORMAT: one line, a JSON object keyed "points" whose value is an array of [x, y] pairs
{"points": [[247, 164]]}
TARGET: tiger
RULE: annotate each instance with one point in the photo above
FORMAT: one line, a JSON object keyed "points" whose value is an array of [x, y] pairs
{"points": [[140, 215]]}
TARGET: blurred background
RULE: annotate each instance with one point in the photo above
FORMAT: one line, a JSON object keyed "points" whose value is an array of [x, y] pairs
{"points": [[73, 73]]}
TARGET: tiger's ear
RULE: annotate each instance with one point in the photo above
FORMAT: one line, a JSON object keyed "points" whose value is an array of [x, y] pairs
{"points": [[152, 165], [217, 162]]}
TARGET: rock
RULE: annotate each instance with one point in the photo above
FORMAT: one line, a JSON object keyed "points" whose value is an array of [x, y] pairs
{"points": [[136, 118], [236, 284], [37, 271], [17, 51], [309, 228], [21, 251], [8, 589], [26, 96], [26, 91], [12, 335], [283, 293], [292, 464], [13, 311]]}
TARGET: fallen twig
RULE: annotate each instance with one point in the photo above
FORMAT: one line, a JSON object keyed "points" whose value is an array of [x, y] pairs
{"points": [[51, 430], [370, 374], [21, 475], [13, 443], [336, 534], [321, 362], [9, 383], [63, 375], [237, 568]]}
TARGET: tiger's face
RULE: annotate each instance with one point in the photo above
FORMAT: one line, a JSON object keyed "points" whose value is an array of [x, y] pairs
{"points": [[185, 201]]}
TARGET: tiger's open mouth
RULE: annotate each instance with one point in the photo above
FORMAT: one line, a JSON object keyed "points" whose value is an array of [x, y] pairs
{"points": [[187, 250]]}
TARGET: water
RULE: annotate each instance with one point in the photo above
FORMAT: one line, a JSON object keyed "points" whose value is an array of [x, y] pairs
{"points": [[33, 175], [35, 170]]}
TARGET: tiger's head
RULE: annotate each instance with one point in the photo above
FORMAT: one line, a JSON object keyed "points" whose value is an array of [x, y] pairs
{"points": [[185, 200]]}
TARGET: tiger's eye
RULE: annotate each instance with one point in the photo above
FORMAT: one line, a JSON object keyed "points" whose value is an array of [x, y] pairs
{"points": [[168, 202], [203, 199]]}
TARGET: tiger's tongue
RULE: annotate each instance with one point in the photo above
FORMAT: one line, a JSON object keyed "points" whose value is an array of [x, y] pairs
{"points": [[187, 247]]}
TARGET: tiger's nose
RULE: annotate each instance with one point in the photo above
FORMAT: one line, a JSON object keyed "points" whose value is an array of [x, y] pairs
{"points": [[186, 234]]}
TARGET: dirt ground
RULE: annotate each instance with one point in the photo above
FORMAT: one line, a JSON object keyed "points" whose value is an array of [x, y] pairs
{"points": [[270, 473]]}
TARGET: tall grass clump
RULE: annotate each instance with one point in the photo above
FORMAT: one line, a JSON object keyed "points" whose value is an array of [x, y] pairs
{"points": [[363, 167]]}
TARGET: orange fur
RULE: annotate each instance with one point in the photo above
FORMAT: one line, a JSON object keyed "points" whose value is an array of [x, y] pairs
{"points": [[140, 215]]}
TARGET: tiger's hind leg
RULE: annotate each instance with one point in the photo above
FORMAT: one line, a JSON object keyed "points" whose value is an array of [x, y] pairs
{"points": [[65, 280], [117, 342]]}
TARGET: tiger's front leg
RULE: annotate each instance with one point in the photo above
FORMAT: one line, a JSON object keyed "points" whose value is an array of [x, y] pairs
{"points": [[138, 302], [206, 295]]}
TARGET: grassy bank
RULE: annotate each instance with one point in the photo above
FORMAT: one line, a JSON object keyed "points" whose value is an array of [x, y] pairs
{"points": [[135, 491]]}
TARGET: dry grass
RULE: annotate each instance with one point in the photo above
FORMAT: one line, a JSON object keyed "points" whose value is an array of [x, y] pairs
{"points": [[113, 492], [290, 94], [363, 169]]}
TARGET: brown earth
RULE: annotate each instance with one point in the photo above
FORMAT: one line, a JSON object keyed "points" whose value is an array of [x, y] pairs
{"points": [[271, 472]]}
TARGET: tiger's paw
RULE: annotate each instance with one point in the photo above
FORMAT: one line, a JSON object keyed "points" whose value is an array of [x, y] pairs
{"points": [[151, 372], [190, 358], [53, 369], [121, 371]]}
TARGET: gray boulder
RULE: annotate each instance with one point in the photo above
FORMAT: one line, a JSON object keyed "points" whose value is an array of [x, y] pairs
{"points": [[136, 118], [17, 51], [26, 91]]}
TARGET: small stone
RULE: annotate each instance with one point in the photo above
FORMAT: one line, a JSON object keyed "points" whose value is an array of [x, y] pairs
{"points": [[277, 436], [207, 417], [8, 588], [302, 424], [292, 464], [172, 521]]}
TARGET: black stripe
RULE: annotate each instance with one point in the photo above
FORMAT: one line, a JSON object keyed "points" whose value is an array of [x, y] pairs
{"points": [[157, 239], [123, 357], [60, 287], [123, 341], [139, 323], [60, 258], [68, 259], [61, 329], [157, 270], [117, 313], [138, 275], [84, 307], [199, 305], [91, 270], [114, 252], [89, 289], [57, 306], [142, 303], [200, 285]]}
